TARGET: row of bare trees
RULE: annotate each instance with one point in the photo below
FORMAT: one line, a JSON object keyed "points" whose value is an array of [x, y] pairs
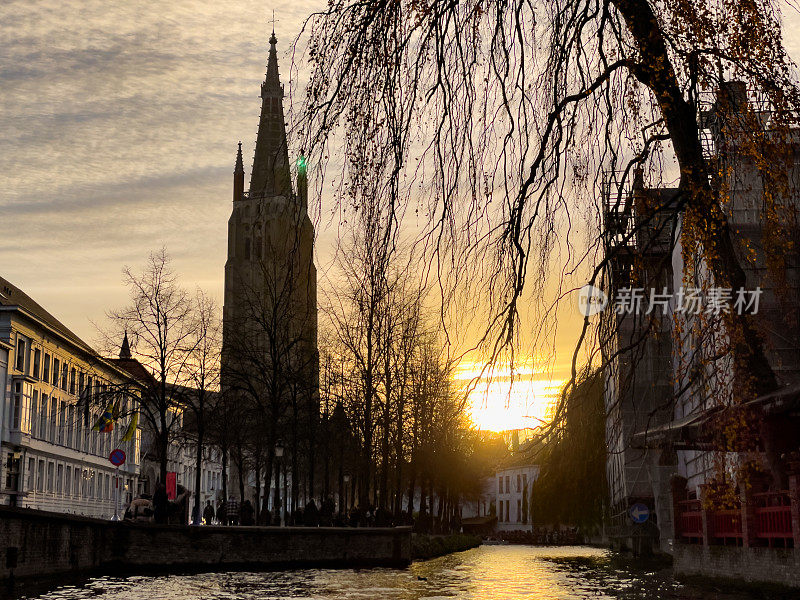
{"points": [[380, 425]]}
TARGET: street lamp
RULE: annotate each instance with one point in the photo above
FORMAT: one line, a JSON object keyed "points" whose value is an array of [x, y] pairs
{"points": [[278, 456]]}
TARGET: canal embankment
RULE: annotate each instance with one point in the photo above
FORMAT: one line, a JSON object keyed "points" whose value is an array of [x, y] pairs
{"points": [[424, 546], [36, 543]]}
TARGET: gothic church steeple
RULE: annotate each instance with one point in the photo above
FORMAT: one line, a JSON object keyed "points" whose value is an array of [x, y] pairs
{"points": [[270, 174], [238, 176]]}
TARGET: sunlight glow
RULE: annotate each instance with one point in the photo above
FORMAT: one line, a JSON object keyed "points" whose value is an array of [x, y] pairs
{"points": [[497, 405]]}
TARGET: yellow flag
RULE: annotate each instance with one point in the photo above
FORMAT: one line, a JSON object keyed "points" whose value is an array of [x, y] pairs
{"points": [[131, 430]]}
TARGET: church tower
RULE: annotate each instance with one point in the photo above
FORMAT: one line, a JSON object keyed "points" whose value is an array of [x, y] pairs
{"points": [[270, 307]]}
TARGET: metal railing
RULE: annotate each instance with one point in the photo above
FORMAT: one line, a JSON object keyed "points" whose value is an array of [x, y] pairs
{"points": [[690, 521], [773, 517]]}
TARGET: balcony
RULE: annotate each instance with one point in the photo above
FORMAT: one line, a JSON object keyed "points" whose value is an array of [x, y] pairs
{"points": [[767, 519]]}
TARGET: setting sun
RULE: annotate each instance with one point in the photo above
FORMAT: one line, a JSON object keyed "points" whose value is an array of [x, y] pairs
{"points": [[495, 404]]}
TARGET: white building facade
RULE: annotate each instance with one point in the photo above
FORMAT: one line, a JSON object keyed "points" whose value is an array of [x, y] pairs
{"points": [[52, 388], [512, 497]]}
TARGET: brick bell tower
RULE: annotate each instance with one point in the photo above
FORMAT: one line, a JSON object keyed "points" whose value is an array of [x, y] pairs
{"points": [[270, 277]]}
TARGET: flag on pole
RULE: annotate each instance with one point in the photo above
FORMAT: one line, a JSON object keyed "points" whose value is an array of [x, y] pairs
{"points": [[131, 430], [105, 424]]}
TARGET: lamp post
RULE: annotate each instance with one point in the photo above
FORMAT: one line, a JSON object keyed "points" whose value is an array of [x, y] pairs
{"points": [[346, 492], [278, 456]]}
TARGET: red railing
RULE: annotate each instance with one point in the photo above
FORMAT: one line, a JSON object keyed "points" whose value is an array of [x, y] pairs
{"points": [[773, 516], [726, 525], [690, 520]]}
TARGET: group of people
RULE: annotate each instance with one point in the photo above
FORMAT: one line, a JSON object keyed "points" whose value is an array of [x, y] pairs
{"points": [[544, 536], [158, 508]]}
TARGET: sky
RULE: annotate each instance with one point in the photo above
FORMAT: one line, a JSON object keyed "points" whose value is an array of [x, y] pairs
{"points": [[120, 122]]}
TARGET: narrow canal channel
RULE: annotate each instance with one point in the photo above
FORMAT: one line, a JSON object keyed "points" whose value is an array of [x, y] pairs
{"points": [[485, 573]]}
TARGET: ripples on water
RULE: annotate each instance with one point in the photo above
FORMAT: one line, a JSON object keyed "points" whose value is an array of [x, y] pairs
{"points": [[485, 573]]}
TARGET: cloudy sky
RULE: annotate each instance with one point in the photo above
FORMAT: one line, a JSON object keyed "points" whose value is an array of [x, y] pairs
{"points": [[119, 127], [120, 122]]}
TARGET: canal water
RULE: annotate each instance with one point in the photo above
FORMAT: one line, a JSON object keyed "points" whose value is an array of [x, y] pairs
{"points": [[484, 573]]}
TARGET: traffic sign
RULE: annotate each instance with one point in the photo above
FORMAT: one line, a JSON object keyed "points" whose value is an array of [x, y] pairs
{"points": [[639, 512], [117, 457]]}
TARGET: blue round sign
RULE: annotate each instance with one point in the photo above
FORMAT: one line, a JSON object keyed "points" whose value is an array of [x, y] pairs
{"points": [[639, 512], [117, 457]]}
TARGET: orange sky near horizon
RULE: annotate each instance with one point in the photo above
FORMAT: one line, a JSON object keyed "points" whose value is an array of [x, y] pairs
{"points": [[496, 404]]}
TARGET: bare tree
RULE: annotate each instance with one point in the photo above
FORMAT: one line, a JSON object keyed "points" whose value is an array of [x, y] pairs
{"points": [[496, 121], [269, 358], [160, 323], [201, 390]]}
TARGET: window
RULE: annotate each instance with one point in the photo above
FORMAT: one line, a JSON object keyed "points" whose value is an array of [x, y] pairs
{"points": [[508, 511], [37, 359], [59, 479], [40, 477], [53, 420], [72, 378], [70, 426], [79, 445], [62, 422], [56, 366], [43, 418], [13, 465], [137, 446], [68, 481], [64, 373], [525, 481], [16, 407], [51, 473], [46, 368], [77, 482], [500, 485], [35, 413], [93, 437], [519, 511], [518, 483], [508, 484], [500, 513], [31, 474], [81, 382], [20, 354]]}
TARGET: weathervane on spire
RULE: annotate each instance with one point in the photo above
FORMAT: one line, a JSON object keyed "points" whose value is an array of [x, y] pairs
{"points": [[273, 21]]}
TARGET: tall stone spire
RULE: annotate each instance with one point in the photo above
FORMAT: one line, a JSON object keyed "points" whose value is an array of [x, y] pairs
{"points": [[270, 174], [238, 176]]}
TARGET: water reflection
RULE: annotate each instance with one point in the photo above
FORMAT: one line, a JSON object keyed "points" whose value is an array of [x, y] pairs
{"points": [[485, 573]]}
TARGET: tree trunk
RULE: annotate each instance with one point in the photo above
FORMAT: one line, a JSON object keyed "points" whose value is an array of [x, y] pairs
{"points": [[412, 483], [198, 476], [224, 474], [656, 71]]}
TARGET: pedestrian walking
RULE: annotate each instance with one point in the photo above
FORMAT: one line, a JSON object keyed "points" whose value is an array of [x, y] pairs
{"points": [[208, 513], [232, 511]]}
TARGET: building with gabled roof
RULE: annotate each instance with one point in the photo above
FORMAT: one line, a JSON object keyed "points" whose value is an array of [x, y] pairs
{"points": [[53, 386]]}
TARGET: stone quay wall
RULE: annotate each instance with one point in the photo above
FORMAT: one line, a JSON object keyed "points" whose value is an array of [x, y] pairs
{"points": [[752, 565], [35, 543]]}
